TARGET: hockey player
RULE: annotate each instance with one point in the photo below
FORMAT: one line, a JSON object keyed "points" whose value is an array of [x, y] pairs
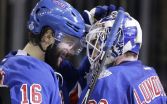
{"points": [[30, 79], [74, 78], [124, 79]]}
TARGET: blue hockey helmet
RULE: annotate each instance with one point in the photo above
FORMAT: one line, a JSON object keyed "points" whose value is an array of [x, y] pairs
{"points": [[128, 38], [58, 15]]}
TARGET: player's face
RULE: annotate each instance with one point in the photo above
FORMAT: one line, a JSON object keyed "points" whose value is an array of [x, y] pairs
{"points": [[64, 47], [70, 45]]}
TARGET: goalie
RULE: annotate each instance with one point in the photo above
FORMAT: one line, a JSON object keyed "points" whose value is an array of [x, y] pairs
{"points": [[124, 80]]}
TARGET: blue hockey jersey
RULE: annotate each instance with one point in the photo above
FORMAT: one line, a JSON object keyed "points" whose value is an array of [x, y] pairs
{"points": [[127, 83], [72, 79], [30, 80]]}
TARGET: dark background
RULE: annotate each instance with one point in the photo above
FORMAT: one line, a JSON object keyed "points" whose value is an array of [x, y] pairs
{"points": [[151, 14]]}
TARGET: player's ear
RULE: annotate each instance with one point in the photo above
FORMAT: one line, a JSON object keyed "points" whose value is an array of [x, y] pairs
{"points": [[48, 37]]}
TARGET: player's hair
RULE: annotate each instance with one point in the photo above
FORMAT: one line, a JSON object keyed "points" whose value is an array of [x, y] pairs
{"points": [[35, 39], [130, 53]]}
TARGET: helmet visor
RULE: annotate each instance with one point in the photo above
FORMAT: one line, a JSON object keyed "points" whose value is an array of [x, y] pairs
{"points": [[71, 43]]}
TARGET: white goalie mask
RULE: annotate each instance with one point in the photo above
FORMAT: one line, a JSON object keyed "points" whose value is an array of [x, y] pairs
{"points": [[128, 38], [95, 39]]}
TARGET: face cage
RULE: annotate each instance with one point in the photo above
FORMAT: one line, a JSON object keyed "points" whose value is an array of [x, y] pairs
{"points": [[96, 40], [95, 43]]}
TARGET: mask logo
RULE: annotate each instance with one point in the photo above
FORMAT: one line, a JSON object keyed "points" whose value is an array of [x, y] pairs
{"points": [[60, 4], [31, 26], [117, 48]]}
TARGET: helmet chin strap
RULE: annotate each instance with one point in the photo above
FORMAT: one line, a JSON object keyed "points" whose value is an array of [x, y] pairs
{"points": [[40, 46], [51, 45], [52, 55]]}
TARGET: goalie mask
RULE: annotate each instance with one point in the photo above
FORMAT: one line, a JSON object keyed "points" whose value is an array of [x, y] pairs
{"points": [[128, 38]]}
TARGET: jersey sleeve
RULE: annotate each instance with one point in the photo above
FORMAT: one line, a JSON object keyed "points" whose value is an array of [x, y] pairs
{"points": [[83, 69], [70, 74]]}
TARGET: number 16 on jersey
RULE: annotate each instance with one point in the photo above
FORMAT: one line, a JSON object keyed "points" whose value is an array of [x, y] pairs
{"points": [[35, 94]]}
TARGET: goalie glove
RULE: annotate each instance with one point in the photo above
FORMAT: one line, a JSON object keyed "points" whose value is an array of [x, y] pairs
{"points": [[97, 13]]}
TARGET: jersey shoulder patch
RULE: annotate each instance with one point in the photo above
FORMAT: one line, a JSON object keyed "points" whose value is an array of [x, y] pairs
{"points": [[147, 68], [104, 73]]}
